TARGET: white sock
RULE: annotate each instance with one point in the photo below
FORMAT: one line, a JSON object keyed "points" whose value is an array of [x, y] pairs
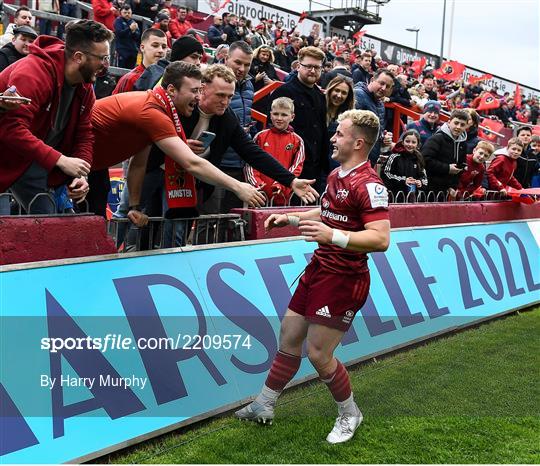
{"points": [[348, 406], [267, 396]]}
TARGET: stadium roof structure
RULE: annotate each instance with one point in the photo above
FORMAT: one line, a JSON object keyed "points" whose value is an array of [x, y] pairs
{"points": [[346, 14]]}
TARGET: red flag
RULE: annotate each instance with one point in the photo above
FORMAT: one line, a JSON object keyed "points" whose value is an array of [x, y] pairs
{"points": [[418, 66], [302, 17], [517, 96], [224, 4], [450, 70], [477, 79], [358, 36], [488, 102], [493, 125]]}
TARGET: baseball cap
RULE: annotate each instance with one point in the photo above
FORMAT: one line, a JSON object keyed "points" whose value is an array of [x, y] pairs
{"points": [[25, 31]]}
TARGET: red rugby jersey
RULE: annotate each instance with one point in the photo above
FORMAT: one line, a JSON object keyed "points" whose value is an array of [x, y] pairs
{"points": [[351, 200]]}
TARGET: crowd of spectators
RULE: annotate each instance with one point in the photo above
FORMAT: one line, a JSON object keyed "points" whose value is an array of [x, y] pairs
{"points": [[322, 77]]}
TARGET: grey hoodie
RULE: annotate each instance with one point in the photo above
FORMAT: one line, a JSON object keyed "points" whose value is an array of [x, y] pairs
{"points": [[461, 138]]}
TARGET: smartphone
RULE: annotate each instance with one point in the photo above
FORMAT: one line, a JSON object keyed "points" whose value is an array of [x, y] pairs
{"points": [[206, 138], [8, 98]]}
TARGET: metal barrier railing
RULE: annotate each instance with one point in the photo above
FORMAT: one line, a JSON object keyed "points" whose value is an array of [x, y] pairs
{"points": [[11, 9], [426, 197], [166, 233]]}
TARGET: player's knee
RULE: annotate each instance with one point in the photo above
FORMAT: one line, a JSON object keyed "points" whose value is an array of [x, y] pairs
{"points": [[291, 343], [317, 356]]}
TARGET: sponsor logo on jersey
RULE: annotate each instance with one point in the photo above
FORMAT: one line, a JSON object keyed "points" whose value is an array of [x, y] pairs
{"points": [[333, 216], [349, 315], [342, 194], [326, 203], [289, 146], [323, 312], [378, 195]]}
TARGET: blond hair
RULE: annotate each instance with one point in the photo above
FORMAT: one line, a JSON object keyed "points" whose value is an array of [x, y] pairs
{"points": [[218, 71], [284, 103], [487, 146], [264, 48], [313, 52], [514, 142], [365, 122]]}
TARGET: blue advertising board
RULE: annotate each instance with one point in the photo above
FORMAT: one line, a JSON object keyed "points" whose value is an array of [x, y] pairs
{"points": [[101, 354]]}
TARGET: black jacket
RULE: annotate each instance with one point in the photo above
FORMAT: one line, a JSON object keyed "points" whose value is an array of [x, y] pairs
{"points": [[439, 151], [525, 168], [229, 133], [361, 75], [400, 166], [232, 34], [309, 123], [400, 94], [9, 55], [327, 77], [282, 60], [258, 66]]}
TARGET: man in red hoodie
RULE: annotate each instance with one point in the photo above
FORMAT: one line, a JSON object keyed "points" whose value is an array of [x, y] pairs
{"points": [[105, 13], [49, 142]]}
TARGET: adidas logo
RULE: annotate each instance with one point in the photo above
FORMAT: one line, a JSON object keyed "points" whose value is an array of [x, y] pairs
{"points": [[266, 144], [323, 312]]}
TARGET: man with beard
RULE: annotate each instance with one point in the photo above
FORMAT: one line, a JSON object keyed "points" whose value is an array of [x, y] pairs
{"points": [[49, 142], [310, 113]]}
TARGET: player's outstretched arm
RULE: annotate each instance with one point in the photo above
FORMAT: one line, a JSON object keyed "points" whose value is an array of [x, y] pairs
{"points": [[375, 237], [202, 169], [282, 220]]}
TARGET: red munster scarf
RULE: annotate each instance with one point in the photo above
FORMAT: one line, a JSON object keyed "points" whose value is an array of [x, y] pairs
{"points": [[179, 184]]}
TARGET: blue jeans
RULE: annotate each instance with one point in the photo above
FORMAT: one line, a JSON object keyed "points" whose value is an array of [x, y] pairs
{"points": [[5, 204], [32, 193]]}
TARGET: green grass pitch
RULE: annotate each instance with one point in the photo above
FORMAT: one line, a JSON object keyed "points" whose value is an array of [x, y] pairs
{"points": [[472, 397]]}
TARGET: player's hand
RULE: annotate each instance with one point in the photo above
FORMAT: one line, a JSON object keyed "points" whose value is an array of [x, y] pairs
{"points": [[196, 146], [303, 189], [504, 192], [316, 231], [250, 195], [276, 221], [72, 166], [78, 189], [138, 218]]}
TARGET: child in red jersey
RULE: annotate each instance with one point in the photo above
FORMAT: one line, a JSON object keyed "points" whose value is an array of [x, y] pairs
{"points": [[352, 221], [283, 144], [470, 179], [500, 173]]}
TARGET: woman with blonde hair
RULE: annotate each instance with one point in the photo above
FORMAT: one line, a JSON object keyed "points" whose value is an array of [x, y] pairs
{"points": [[262, 69], [339, 99]]}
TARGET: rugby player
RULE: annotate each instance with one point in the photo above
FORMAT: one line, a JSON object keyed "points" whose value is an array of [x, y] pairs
{"points": [[352, 221]]}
